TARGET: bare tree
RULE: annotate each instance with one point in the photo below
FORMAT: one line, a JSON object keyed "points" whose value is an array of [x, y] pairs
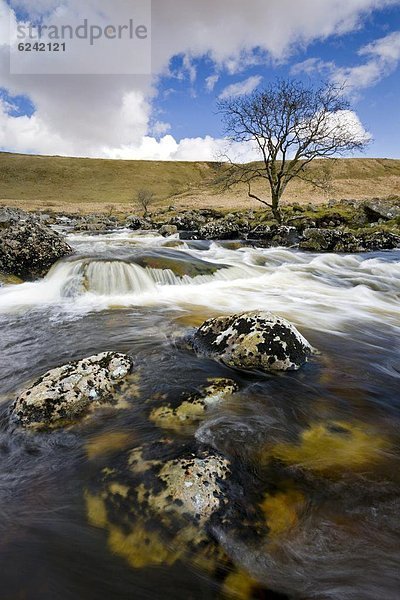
{"points": [[290, 125], [145, 198]]}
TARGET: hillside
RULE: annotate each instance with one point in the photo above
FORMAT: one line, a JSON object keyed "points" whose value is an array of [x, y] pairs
{"points": [[92, 185]]}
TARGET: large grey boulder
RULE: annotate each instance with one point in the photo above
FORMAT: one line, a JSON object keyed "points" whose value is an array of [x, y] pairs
{"points": [[252, 341], [376, 209], [28, 250], [68, 393], [330, 240]]}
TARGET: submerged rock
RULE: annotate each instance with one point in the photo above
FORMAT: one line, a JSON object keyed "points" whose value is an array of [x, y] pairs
{"points": [[9, 279], [189, 487], [193, 407], [68, 393], [28, 250], [253, 341], [332, 448], [157, 501]]}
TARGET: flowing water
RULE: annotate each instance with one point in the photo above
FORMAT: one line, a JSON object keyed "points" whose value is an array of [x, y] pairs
{"points": [[314, 509]]}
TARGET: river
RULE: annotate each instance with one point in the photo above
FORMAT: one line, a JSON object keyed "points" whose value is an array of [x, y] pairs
{"points": [[317, 449]]}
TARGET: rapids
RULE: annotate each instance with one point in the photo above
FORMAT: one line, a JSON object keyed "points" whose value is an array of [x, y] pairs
{"points": [[331, 430]]}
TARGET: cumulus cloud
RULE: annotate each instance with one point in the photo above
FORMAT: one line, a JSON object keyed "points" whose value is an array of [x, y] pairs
{"points": [[241, 87], [112, 115]]}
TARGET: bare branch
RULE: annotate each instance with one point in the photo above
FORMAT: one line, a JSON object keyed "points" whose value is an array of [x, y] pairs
{"points": [[291, 125]]}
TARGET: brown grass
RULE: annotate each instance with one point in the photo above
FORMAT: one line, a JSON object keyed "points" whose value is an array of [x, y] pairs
{"points": [[97, 185]]}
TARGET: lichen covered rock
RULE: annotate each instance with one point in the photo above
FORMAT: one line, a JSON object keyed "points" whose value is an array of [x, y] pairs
{"points": [[253, 341], [157, 501], [68, 393], [28, 250], [191, 486], [223, 229], [192, 407]]}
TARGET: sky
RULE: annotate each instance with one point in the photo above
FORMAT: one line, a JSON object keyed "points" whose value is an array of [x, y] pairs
{"points": [[201, 50]]}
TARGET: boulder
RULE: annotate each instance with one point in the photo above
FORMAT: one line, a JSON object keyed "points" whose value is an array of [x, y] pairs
{"points": [[156, 502], [338, 240], [285, 235], [330, 240], [282, 235], [260, 232], [28, 250], [189, 235], [223, 229], [188, 221], [379, 240], [376, 209], [167, 230], [68, 393], [191, 486], [252, 341], [135, 223]]}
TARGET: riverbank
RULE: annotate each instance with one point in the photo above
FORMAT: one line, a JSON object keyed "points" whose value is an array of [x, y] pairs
{"points": [[346, 227]]}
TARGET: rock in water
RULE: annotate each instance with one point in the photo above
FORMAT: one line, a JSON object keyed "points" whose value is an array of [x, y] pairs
{"points": [[28, 250], [156, 503], [191, 486], [191, 408], [67, 393], [253, 341]]}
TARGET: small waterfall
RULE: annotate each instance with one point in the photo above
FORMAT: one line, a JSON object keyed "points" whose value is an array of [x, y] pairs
{"points": [[168, 277], [117, 277], [102, 277]]}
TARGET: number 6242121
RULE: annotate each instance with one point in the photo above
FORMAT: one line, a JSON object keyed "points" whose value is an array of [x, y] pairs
{"points": [[42, 47]]}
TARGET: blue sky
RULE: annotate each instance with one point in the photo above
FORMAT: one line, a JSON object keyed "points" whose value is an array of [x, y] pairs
{"points": [[199, 51], [191, 109]]}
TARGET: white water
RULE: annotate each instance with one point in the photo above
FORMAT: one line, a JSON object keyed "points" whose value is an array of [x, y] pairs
{"points": [[325, 292]]}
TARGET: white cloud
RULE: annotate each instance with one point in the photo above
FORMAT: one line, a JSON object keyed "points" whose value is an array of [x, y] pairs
{"points": [[382, 58], [160, 128], [313, 65], [241, 87], [211, 82], [101, 116]]}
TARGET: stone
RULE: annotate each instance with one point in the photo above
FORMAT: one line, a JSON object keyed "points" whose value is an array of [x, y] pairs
{"points": [[376, 209], [223, 229], [191, 486], [167, 230], [135, 223], [252, 341], [28, 250], [66, 394], [193, 407], [379, 240], [188, 221], [157, 501]]}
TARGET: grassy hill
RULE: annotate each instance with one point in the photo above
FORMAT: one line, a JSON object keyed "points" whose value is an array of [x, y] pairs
{"points": [[92, 185]]}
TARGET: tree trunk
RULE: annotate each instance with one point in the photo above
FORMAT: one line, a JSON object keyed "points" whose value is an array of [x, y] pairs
{"points": [[275, 208]]}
